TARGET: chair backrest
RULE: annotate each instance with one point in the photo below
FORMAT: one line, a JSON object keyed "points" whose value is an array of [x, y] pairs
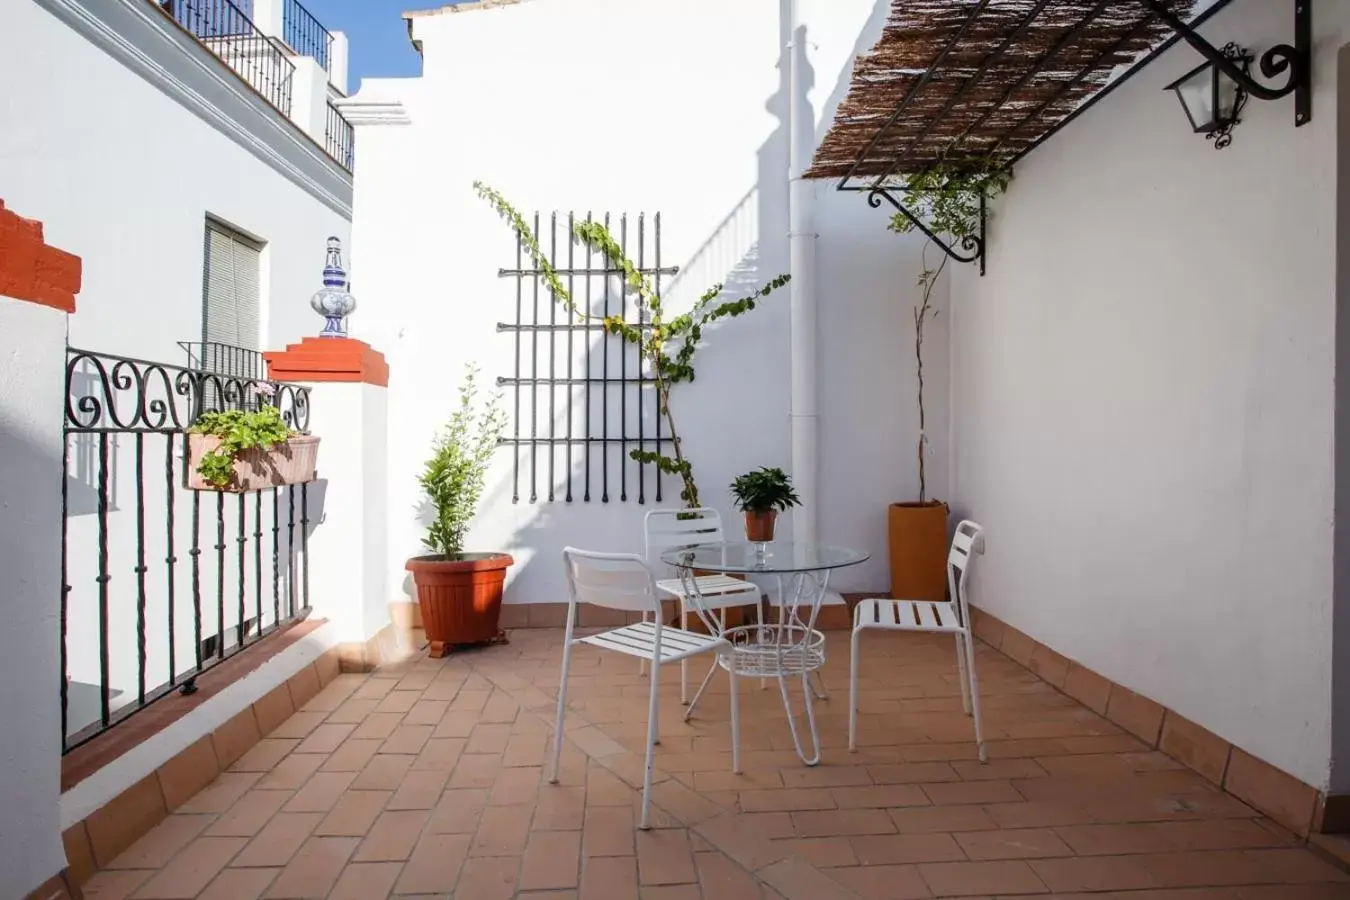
{"points": [[959, 564], [612, 580], [666, 528]]}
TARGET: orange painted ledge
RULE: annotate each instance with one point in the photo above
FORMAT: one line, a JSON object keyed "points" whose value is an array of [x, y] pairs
{"points": [[328, 359], [31, 270]]}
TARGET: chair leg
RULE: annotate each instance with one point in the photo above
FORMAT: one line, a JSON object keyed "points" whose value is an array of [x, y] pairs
{"points": [[684, 663], [735, 720], [853, 691], [562, 707], [698, 694], [961, 667], [975, 697], [642, 663], [653, 710]]}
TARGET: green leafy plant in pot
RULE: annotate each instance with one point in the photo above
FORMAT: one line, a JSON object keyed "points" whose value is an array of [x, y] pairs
{"points": [[459, 593], [762, 495], [238, 450]]}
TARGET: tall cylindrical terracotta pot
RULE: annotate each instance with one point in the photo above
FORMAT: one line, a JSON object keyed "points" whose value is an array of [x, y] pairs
{"points": [[460, 599], [918, 550], [759, 525]]}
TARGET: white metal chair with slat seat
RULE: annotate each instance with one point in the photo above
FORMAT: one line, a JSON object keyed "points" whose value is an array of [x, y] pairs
{"points": [[947, 617], [623, 581], [665, 529]]}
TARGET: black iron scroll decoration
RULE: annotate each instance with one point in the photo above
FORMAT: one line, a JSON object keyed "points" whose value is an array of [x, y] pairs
{"points": [[972, 244]]}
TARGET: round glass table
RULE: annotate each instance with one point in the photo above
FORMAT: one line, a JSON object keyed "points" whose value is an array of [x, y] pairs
{"points": [[792, 647]]}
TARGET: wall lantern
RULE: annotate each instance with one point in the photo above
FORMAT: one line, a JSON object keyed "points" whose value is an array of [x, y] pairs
{"points": [[332, 301], [1214, 94]]}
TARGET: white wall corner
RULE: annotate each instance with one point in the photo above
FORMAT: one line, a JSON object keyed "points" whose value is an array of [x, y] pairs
{"points": [[309, 98], [339, 60], [269, 16], [374, 112]]}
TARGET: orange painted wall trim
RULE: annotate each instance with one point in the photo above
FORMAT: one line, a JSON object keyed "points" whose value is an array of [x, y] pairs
{"points": [[30, 270], [328, 359]]}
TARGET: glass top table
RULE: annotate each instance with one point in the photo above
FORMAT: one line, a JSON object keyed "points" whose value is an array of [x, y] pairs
{"points": [[772, 558], [793, 647]]}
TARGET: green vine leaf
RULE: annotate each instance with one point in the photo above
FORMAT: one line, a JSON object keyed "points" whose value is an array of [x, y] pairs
{"points": [[239, 431]]}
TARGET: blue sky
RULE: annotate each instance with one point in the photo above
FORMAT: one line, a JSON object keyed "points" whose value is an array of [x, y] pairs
{"points": [[379, 37]]}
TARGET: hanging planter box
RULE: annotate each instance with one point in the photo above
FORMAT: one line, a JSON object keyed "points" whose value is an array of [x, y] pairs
{"points": [[290, 463]]}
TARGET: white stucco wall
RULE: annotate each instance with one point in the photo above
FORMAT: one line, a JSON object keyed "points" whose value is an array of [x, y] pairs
{"points": [[122, 169], [690, 125], [32, 351], [1142, 394]]}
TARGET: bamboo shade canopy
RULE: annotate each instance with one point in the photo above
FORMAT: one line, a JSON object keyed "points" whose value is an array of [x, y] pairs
{"points": [[973, 84]]}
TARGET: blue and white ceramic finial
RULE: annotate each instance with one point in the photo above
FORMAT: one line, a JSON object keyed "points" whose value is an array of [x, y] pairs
{"points": [[332, 300]]}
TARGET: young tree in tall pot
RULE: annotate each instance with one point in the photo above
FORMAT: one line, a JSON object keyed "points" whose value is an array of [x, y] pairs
{"points": [[460, 593], [950, 201]]}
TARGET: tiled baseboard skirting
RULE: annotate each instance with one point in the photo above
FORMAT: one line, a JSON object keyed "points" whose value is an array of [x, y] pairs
{"points": [[1297, 806]]}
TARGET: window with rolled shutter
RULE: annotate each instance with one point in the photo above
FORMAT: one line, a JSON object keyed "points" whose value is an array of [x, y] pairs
{"points": [[230, 303]]}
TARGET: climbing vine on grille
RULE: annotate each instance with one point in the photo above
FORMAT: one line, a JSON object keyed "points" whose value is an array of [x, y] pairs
{"points": [[667, 345]]}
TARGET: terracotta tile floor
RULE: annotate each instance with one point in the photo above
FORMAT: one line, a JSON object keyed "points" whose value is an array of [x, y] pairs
{"points": [[428, 780]]}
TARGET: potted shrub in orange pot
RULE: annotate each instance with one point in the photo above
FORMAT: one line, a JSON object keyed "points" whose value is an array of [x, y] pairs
{"points": [[762, 495], [459, 593]]}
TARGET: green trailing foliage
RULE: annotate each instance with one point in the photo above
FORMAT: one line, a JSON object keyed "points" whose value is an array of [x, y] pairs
{"points": [[948, 201], [239, 430], [763, 490], [453, 477], [666, 345]]}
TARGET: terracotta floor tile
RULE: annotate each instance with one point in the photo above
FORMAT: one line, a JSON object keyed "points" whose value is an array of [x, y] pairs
{"points": [[488, 878], [489, 738], [914, 773], [782, 799], [292, 772], [279, 840], [1023, 843], [191, 869], [1102, 873], [366, 881], [299, 725], [527, 749], [222, 793], [974, 770], [419, 790], [352, 712], [249, 814], [1038, 814], [476, 771], [879, 796], [313, 870], [672, 892], [499, 708], [393, 836], [439, 753], [378, 725], [664, 857], [884, 882], [1114, 840], [456, 723], [383, 773], [560, 808], [823, 851], [609, 878], [1223, 834], [159, 845], [325, 738], [352, 756], [552, 861], [434, 864], [972, 879], [842, 822], [609, 831], [407, 739], [398, 701], [457, 812], [951, 818], [321, 793], [119, 884], [265, 755], [502, 831], [239, 884], [354, 814], [426, 712], [972, 792], [892, 849], [513, 787]]}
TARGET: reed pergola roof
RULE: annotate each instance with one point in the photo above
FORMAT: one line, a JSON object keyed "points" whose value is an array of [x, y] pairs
{"points": [[974, 84]]}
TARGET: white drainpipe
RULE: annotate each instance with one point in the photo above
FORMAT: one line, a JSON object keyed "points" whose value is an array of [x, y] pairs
{"points": [[802, 294]]}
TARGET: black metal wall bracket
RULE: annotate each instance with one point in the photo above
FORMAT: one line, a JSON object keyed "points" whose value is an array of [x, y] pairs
{"points": [[971, 246], [1297, 60]]}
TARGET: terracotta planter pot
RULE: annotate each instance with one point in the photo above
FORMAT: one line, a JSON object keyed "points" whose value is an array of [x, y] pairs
{"points": [[759, 525], [918, 550], [293, 462], [460, 599]]}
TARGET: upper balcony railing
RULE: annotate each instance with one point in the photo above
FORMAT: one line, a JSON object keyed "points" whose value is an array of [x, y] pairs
{"points": [[229, 33], [306, 34], [339, 138]]}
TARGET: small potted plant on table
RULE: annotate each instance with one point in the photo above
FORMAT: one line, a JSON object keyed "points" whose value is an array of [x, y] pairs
{"points": [[459, 593], [238, 450], [762, 495]]}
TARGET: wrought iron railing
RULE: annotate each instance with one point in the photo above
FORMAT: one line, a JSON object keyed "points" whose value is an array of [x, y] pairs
{"points": [[225, 359], [226, 29], [306, 34], [160, 583], [339, 138]]}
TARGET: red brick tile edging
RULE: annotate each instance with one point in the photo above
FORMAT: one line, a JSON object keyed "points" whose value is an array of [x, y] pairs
{"points": [[30, 269]]}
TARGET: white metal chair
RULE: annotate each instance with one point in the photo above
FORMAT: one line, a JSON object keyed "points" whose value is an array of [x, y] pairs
{"points": [[622, 581], [667, 528], [949, 617]]}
